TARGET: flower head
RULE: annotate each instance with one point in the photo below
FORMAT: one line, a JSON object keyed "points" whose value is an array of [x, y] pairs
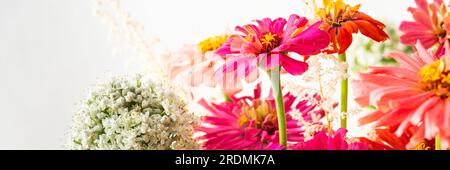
{"points": [[133, 115], [414, 95], [431, 25], [212, 43], [195, 65], [268, 45], [341, 20], [250, 123]]}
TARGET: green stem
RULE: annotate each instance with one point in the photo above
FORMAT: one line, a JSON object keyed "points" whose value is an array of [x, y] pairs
{"points": [[344, 94], [437, 141], [274, 75]]}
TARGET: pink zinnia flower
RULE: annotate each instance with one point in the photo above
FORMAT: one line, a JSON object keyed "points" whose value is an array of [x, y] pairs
{"points": [[337, 141], [195, 65], [416, 94], [429, 25], [250, 123], [192, 67], [268, 44]]}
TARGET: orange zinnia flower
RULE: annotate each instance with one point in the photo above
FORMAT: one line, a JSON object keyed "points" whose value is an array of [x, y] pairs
{"points": [[341, 20]]}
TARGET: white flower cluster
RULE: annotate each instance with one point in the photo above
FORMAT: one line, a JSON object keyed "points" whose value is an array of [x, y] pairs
{"points": [[131, 114], [322, 78], [310, 127]]}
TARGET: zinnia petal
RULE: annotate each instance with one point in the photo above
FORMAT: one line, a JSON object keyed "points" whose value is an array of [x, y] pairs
{"points": [[294, 67]]}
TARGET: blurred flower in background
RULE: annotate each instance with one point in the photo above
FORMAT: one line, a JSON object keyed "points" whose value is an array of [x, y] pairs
{"points": [[194, 66], [431, 25]]}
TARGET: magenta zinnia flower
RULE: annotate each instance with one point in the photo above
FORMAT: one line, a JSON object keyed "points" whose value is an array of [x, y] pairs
{"points": [[414, 95], [250, 123], [429, 26], [268, 44], [337, 141]]}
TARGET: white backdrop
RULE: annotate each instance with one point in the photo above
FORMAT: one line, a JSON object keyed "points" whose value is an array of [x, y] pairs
{"points": [[53, 51]]}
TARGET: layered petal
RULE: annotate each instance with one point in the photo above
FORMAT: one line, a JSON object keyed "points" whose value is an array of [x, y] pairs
{"points": [[428, 26]]}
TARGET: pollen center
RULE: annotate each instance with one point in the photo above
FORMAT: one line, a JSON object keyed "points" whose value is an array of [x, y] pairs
{"points": [[336, 12], [270, 41], [260, 116], [436, 78]]}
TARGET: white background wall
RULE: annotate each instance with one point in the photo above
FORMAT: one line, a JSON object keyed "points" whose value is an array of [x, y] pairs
{"points": [[53, 51]]}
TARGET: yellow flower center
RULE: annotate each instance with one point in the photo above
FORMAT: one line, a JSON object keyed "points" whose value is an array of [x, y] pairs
{"points": [[436, 78], [422, 146], [270, 41], [212, 43], [334, 12], [260, 116]]}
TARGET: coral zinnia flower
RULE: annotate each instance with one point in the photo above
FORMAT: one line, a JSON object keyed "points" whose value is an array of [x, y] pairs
{"points": [[430, 25], [250, 123], [268, 44], [323, 141], [195, 65], [416, 94], [341, 20]]}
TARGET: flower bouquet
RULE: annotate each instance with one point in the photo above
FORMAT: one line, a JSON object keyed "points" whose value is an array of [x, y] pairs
{"points": [[284, 83]]}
